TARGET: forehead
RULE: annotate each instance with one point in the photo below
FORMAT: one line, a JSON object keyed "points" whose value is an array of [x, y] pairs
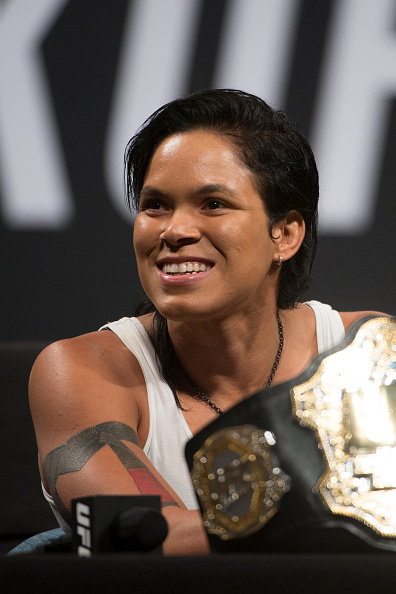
{"points": [[198, 141], [197, 152], [199, 163]]}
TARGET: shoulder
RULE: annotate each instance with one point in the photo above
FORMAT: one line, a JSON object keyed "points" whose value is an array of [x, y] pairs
{"points": [[80, 382], [349, 317], [99, 353]]}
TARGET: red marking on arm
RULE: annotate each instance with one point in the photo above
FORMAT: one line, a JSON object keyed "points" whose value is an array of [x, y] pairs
{"points": [[148, 484]]}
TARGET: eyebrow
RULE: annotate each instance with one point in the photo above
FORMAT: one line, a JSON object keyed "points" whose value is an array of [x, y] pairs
{"points": [[151, 191], [213, 188], [205, 189]]}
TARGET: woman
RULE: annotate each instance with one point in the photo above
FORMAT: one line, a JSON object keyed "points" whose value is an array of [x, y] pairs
{"points": [[226, 190]]}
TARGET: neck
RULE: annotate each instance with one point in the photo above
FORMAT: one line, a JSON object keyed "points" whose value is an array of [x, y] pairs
{"points": [[230, 359]]}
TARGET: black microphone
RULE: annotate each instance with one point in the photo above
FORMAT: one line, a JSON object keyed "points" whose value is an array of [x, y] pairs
{"points": [[140, 528], [116, 523]]}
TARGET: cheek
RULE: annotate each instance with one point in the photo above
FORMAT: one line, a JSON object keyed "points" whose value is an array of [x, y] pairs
{"points": [[141, 237], [230, 234], [246, 239]]}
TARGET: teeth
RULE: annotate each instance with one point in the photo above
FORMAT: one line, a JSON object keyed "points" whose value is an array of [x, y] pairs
{"points": [[185, 267]]}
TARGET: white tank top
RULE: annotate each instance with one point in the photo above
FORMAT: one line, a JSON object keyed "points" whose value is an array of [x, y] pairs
{"points": [[329, 327], [169, 432]]}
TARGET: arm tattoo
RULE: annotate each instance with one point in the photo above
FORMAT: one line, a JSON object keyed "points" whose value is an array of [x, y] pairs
{"points": [[77, 450]]}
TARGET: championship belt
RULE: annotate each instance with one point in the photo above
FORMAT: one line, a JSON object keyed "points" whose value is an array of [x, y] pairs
{"points": [[308, 465]]}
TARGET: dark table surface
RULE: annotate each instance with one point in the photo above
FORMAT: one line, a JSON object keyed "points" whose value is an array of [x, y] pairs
{"points": [[272, 573]]}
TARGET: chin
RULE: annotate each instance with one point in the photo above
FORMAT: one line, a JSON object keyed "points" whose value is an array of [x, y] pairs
{"points": [[182, 314], [184, 311]]}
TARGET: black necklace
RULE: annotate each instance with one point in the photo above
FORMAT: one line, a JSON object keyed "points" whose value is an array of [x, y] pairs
{"points": [[200, 394]]}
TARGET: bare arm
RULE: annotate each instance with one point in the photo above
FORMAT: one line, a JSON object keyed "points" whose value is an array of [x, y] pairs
{"points": [[86, 409]]}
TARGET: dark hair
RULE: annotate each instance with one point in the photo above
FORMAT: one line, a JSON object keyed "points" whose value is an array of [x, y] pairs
{"points": [[269, 144]]}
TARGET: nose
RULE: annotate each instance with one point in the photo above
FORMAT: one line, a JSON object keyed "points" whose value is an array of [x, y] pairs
{"points": [[182, 228]]}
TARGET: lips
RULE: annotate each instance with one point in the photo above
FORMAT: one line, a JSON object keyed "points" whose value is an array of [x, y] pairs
{"points": [[186, 267]]}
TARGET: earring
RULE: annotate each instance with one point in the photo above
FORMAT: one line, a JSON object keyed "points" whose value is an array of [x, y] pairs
{"points": [[280, 261]]}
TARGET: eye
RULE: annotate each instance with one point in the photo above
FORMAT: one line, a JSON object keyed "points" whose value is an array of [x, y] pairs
{"points": [[151, 204], [215, 204]]}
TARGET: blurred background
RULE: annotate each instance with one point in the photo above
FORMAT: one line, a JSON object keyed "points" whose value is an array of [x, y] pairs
{"points": [[77, 78]]}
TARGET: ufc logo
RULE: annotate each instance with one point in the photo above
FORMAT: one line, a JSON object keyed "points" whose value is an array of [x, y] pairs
{"points": [[83, 529]]}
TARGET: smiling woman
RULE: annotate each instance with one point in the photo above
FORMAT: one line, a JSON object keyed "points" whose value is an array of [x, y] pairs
{"points": [[226, 190]]}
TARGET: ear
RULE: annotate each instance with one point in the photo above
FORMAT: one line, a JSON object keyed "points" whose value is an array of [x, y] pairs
{"points": [[288, 234]]}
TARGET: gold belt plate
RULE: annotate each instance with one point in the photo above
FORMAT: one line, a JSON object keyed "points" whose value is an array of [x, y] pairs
{"points": [[237, 481], [350, 402]]}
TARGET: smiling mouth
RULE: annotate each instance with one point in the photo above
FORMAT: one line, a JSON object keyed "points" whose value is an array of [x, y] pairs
{"points": [[185, 268]]}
